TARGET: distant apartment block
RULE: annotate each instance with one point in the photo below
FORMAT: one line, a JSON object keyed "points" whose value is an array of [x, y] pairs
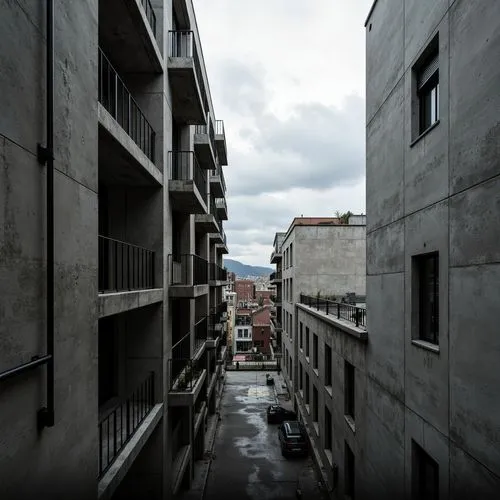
{"points": [[245, 292], [112, 317]]}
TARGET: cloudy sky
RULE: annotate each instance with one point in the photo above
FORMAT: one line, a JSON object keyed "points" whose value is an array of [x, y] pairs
{"points": [[287, 77]]}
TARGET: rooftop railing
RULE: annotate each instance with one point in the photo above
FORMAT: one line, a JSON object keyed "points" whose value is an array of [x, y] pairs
{"points": [[150, 15], [123, 266], [183, 166], [188, 269], [116, 429], [117, 99], [340, 310]]}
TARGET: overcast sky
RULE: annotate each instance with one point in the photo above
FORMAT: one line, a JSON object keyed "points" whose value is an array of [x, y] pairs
{"points": [[288, 79]]}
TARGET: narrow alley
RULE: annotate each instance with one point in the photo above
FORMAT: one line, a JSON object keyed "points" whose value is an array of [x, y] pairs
{"points": [[247, 461]]}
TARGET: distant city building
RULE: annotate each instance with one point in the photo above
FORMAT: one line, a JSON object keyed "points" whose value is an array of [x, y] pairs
{"points": [[261, 330], [245, 291]]}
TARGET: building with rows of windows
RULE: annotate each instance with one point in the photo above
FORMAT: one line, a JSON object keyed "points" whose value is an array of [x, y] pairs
{"points": [[112, 319]]}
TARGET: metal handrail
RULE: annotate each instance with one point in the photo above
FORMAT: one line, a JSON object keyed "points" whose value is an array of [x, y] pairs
{"points": [[116, 429], [188, 269], [184, 166], [341, 310], [117, 99]]}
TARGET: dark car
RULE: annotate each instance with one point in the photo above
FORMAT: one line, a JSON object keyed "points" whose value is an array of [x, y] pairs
{"points": [[293, 438], [277, 414]]}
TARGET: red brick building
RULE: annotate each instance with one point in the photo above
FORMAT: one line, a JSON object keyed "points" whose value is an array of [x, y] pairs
{"points": [[261, 329], [245, 291]]}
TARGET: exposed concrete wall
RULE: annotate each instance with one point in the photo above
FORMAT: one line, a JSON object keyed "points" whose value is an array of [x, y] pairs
{"points": [[61, 459], [435, 194]]}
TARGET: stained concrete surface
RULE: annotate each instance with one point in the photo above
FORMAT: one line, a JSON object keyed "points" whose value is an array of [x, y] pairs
{"points": [[247, 462]]}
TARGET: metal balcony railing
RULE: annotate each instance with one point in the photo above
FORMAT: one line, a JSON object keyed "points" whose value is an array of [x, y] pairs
{"points": [[182, 44], [208, 129], [188, 269], [119, 426], [184, 371], [348, 312], [150, 15], [220, 203], [116, 98], [200, 332], [123, 266], [183, 166], [219, 172], [275, 276], [217, 273], [219, 127], [213, 211], [276, 298]]}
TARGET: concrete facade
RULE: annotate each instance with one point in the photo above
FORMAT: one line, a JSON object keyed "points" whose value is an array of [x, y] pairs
{"points": [[140, 317], [432, 192]]}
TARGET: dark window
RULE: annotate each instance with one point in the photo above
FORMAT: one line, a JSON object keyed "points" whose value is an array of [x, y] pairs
{"points": [[349, 471], [349, 392], [307, 388], [291, 368], [427, 73], [328, 429], [307, 341], [425, 475], [301, 335], [301, 377], [427, 267], [315, 404], [107, 368], [328, 365], [315, 351]]}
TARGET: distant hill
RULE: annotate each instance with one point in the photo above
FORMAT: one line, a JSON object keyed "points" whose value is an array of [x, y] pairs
{"points": [[245, 270]]}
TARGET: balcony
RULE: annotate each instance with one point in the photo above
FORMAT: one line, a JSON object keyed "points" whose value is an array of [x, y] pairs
{"points": [[126, 138], [188, 276], [204, 145], [120, 424], [214, 331], [217, 275], [276, 256], [208, 223], [219, 237], [187, 183], [186, 79], [276, 300], [275, 324], [220, 142], [217, 182], [129, 30], [126, 277], [339, 310], [221, 206], [275, 277], [186, 374]]}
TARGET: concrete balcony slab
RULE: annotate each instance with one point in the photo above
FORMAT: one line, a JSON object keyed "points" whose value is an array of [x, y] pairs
{"points": [[120, 302], [205, 223], [187, 397], [204, 151]]}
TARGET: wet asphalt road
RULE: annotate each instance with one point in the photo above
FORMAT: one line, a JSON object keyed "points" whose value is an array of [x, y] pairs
{"points": [[248, 462]]}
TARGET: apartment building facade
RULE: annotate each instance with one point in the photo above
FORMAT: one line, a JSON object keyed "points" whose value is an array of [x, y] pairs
{"points": [[318, 257], [113, 334], [433, 188], [245, 292]]}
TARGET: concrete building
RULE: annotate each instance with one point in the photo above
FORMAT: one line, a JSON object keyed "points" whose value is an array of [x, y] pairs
{"points": [[433, 192], [112, 316], [316, 256]]}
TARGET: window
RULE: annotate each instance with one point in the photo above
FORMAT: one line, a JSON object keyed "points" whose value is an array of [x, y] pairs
{"points": [[301, 335], [307, 388], [427, 296], [291, 254], [349, 393], [291, 368], [301, 377], [349, 471], [328, 429], [245, 334], [427, 79], [315, 351], [425, 475], [307, 341], [328, 365], [315, 404]]}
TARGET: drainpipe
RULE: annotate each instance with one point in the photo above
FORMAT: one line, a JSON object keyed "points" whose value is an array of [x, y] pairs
{"points": [[46, 157]]}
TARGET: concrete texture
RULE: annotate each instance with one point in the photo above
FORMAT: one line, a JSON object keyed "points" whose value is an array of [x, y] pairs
{"points": [[247, 449], [434, 192]]}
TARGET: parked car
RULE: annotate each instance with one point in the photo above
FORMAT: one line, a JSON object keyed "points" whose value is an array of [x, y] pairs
{"points": [[293, 438], [277, 414]]}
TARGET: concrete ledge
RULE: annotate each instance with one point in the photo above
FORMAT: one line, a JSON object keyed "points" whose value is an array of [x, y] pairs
{"points": [[187, 398], [113, 477], [180, 463], [119, 302], [200, 417], [135, 153], [187, 291], [347, 327]]}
